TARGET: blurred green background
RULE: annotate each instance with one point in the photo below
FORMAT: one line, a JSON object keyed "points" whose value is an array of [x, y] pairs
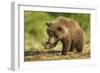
{"points": [[35, 26]]}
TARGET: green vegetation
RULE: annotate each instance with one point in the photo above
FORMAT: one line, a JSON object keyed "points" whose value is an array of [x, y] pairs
{"points": [[35, 27]]}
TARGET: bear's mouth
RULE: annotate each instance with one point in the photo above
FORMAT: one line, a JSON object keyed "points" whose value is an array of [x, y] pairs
{"points": [[48, 45]]}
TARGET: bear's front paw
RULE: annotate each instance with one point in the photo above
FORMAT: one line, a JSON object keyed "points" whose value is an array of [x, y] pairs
{"points": [[64, 52]]}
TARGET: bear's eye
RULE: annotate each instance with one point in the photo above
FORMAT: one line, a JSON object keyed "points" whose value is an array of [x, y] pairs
{"points": [[60, 28], [48, 24]]}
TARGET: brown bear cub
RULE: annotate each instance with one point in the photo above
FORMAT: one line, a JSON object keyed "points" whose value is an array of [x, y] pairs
{"points": [[66, 30]]}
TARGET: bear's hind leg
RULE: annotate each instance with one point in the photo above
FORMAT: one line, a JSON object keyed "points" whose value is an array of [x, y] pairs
{"points": [[79, 42]]}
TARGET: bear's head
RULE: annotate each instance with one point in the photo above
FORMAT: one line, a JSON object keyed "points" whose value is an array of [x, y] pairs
{"points": [[56, 32]]}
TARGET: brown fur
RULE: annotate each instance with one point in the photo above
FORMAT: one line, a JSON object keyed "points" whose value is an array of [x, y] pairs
{"points": [[68, 31]]}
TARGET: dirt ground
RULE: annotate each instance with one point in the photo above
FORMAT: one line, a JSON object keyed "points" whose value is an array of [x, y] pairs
{"points": [[55, 55]]}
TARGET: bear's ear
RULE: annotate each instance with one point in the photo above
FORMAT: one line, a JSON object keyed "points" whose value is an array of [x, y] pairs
{"points": [[48, 24], [60, 28]]}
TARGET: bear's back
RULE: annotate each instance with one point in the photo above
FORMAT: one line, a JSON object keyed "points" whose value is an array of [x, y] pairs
{"points": [[68, 22]]}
